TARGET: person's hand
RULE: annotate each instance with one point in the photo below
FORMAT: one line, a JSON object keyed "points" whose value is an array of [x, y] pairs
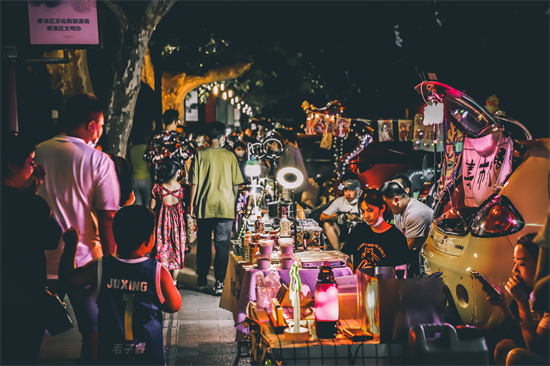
{"points": [[36, 179], [352, 217], [71, 236], [192, 211], [333, 217], [516, 289], [496, 299]]}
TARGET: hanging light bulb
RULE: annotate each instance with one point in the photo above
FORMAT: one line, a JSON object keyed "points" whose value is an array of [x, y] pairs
{"points": [[232, 100], [222, 87], [216, 90], [224, 95], [230, 93], [237, 99]]}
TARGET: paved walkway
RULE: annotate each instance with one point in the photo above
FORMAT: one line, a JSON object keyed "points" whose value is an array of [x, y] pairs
{"points": [[201, 333]]}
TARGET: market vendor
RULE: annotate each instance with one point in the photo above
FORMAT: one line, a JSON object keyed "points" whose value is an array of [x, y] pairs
{"points": [[374, 242], [342, 213]]}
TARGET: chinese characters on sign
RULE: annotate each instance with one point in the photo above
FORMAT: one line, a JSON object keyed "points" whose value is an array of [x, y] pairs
{"points": [[59, 24], [66, 22], [128, 348], [486, 161]]}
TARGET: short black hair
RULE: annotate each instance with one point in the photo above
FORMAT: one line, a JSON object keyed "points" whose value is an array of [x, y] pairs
{"points": [[170, 116], [392, 189], [240, 144], [372, 197], [529, 245], [167, 169], [405, 181], [215, 130], [133, 226], [15, 151], [78, 110]]}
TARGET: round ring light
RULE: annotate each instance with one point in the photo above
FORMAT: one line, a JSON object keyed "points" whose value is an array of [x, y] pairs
{"points": [[271, 154], [255, 150], [290, 172]]}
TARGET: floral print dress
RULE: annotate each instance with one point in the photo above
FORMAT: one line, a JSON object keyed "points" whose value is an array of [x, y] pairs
{"points": [[171, 236], [168, 144]]}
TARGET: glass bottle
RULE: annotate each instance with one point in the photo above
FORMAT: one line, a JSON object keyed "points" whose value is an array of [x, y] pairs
{"points": [[326, 303]]}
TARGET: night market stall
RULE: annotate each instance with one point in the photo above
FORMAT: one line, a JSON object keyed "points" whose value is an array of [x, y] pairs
{"points": [[296, 302]]}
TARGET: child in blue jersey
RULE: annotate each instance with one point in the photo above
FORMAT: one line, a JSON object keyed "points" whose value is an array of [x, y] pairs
{"points": [[133, 290]]}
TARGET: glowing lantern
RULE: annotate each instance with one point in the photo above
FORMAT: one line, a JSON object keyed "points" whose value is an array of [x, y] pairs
{"points": [[326, 303]]}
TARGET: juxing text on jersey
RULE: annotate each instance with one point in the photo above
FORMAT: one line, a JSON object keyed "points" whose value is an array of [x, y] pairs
{"points": [[121, 284]]}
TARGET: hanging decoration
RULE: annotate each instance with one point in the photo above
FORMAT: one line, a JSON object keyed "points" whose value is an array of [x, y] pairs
{"points": [[453, 153], [487, 163], [364, 141]]}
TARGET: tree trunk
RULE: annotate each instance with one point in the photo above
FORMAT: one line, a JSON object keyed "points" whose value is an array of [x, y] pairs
{"points": [[136, 30]]}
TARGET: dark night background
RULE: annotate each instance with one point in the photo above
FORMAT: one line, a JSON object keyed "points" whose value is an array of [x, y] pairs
{"points": [[479, 47], [482, 48]]}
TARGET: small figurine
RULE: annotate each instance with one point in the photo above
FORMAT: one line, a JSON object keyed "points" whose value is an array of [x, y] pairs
{"points": [[491, 104]]}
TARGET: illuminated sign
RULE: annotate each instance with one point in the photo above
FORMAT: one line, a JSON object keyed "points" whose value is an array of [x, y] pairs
{"points": [[63, 22]]}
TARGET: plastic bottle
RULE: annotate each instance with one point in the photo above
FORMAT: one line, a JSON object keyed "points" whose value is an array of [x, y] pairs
{"points": [[246, 246], [284, 227], [252, 223], [259, 225], [267, 223]]}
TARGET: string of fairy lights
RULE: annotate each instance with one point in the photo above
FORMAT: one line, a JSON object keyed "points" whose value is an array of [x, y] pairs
{"points": [[219, 89]]}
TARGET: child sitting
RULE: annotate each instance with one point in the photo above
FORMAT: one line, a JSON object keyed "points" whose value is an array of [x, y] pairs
{"points": [[132, 290]]}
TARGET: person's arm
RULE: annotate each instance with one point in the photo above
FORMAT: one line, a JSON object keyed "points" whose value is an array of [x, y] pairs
{"points": [[69, 274], [192, 200], [332, 218], [153, 203], [515, 287], [236, 193], [105, 225], [415, 243], [172, 298]]}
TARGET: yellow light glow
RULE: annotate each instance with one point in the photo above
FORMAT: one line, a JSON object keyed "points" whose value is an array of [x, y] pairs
{"points": [[230, 93], [224, 95]]}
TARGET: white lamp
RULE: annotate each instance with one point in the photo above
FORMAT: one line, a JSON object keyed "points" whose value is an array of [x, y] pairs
{"points": [[252, 168], [289, 172]]}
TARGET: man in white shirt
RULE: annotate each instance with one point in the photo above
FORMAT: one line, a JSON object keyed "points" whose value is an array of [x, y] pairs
{"points": [[411, 216], [345, 208], [81, 187]]}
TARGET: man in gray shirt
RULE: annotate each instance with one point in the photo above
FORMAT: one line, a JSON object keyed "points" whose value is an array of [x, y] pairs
{"points": [[411, 216]]}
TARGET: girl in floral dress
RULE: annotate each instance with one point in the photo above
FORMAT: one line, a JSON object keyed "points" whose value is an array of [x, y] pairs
{"points": [[167, 203]]}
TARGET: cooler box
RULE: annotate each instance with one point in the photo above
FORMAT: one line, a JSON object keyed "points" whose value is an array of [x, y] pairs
{"points": [[438, 344]]}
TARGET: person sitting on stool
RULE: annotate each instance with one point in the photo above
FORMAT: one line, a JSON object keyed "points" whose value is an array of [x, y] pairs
{"points": [[411, 216], [347, 205]]}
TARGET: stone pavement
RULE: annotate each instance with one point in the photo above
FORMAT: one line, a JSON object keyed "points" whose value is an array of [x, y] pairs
{"points": [[200, 333]]}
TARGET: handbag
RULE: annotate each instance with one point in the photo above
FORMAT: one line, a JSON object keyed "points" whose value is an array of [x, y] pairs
{"points": [[58, 318]]}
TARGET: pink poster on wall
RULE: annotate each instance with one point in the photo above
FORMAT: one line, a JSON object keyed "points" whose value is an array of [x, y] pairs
{"points": [[63, 22]]}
